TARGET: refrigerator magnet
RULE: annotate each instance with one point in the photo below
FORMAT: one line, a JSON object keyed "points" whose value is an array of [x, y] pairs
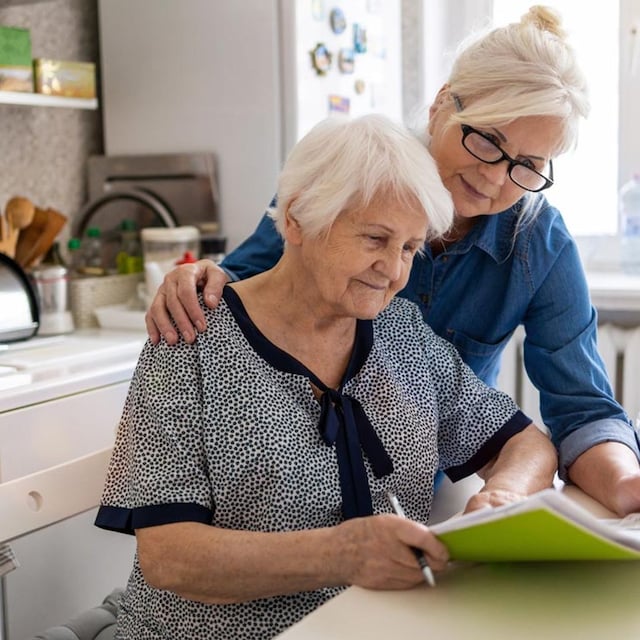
{"points": [[359, 38], [320, 59], [337, 20], [339, 104], [346, 60], [359, 86]]}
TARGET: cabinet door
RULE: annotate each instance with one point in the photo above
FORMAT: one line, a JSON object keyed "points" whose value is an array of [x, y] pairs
{"points": [[42, 435], [68, 567]]}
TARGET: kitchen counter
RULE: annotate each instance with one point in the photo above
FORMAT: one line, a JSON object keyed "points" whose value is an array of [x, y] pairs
{"points": [[45, 368]]}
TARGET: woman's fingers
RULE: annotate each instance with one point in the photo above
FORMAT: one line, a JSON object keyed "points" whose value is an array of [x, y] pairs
{"points": [[176, 304]]}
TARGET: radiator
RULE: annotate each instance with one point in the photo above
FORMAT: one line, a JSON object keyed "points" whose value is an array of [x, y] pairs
{"points": [[620, 350]]}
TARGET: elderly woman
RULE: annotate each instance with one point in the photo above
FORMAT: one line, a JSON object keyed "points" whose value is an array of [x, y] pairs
{"points": [[253, 464], [512, 103]]}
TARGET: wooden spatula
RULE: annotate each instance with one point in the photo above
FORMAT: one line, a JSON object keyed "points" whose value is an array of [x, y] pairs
{"points": [[19, 214], [37, 238]]}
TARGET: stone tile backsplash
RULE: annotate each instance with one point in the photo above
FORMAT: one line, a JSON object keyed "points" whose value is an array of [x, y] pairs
{"points": [[45, 149]]}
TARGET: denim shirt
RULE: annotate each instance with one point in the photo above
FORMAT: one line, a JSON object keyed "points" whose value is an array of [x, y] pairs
{"points": [[476, 293]]}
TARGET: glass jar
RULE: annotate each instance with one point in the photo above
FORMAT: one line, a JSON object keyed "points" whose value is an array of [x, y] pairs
{"points": [[162, 248]]}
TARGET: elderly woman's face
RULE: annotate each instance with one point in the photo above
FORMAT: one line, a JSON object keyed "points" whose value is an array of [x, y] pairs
{"points": [[365, 259], [479, 188]]}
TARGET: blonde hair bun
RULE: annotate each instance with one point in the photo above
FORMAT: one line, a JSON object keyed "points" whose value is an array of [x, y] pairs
{"points": [[545, 19]]}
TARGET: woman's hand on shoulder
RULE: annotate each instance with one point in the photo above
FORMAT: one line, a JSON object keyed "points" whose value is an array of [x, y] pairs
{"points": [[176, 301]]}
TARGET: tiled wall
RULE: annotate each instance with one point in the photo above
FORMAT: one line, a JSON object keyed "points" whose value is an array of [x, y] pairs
{"points": [[44, 149]]}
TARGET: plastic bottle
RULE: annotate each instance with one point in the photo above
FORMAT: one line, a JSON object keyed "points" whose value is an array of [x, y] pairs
{"points": [[629, 221], [129, 257], [92, 253], [75, 261]]}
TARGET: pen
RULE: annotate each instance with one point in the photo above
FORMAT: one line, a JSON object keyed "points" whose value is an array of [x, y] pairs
{"points": [[424, 565]]}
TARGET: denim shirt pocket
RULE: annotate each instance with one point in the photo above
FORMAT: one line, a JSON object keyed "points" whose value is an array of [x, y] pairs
{"points": [[482, 357]]}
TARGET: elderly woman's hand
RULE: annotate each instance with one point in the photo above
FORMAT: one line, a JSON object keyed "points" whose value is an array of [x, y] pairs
{"points": [[378, 554], [177, 298], [526, 464], [491, 499]]}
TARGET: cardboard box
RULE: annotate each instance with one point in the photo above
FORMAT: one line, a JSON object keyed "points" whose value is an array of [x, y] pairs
{"points": [[16, 72], [61, 78]]}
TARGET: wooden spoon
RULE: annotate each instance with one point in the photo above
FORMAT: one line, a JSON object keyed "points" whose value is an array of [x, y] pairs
{"points": [[37, 238], [19, 214]]}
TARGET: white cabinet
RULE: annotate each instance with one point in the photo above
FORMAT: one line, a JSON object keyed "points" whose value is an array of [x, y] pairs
{"points": [[202, 80], [71, 566], [50, 433]]}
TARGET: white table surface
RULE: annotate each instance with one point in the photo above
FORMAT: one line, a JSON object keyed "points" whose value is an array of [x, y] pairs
{"points": [[545, 601]]}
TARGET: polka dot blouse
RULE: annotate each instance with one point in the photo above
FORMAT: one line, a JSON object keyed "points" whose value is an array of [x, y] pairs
{"points": [[227, 432]]}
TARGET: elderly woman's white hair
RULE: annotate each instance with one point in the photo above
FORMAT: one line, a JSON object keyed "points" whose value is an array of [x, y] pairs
{"points": [[345, 164]]}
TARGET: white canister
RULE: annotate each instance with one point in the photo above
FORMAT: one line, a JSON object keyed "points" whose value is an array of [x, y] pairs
{"points": [[162, 248], [52, 284]]}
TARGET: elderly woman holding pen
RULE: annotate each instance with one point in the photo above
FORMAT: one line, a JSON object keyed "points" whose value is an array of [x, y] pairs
{"points": [[255, 465]]}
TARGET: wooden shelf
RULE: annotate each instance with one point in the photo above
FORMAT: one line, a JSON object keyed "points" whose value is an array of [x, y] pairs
{"points": [[41, 100]]}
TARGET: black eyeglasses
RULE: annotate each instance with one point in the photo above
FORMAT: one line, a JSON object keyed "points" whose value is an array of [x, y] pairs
{"points": [[482, 147]]}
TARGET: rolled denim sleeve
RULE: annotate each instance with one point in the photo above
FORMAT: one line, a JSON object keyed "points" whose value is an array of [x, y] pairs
{"points": [[259, 252], [563, 363], [593, 433]]}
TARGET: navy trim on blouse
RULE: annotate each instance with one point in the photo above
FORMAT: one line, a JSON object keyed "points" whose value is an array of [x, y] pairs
{"points": [[285, 362], [126, 520], [343, 421], [517, 423]]}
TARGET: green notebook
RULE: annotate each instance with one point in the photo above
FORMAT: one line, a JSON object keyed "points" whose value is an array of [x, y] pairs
{"points": [[546, 526]]}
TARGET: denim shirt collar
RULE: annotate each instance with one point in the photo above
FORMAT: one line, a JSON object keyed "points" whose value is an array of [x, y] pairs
{"points": [[494, 234]]}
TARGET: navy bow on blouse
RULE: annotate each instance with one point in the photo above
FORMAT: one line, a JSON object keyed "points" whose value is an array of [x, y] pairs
{"points": [[342, 418], [344, 422]]}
